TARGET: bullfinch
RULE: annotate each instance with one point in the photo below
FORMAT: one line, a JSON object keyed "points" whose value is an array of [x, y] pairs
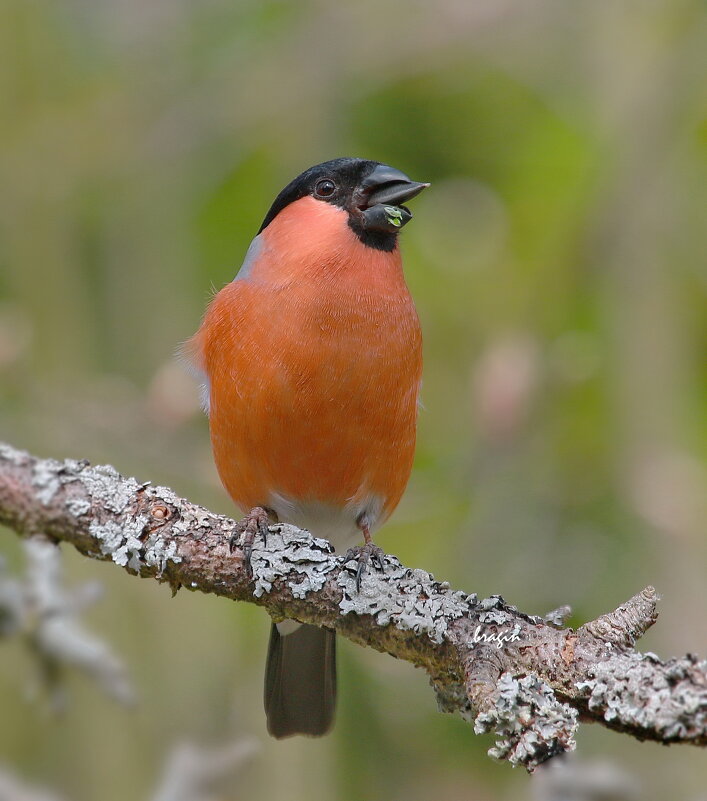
{"points": [[311, 361]]}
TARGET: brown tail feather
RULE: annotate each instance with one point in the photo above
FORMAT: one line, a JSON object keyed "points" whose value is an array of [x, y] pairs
{"points": [[300, 681]]}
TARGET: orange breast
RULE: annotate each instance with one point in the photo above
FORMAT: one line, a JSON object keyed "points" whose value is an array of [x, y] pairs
{"points": [[314, 363]]}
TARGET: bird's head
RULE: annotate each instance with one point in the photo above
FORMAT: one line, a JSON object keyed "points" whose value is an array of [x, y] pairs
{"points": [[370, 193]]}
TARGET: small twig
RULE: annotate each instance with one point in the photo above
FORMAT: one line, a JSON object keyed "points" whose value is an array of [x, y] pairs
{"points": [[46, 615], [12, 788], [192, 772]]}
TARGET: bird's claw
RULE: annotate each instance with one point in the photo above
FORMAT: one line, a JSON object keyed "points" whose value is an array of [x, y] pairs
{"points": [[365, 555], [245, 532]]}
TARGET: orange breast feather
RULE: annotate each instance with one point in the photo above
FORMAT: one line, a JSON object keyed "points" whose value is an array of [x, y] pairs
{"points": [[314, 363]]}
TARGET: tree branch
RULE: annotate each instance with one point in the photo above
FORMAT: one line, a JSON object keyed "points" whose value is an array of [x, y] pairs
{"points": [[516, 674]]}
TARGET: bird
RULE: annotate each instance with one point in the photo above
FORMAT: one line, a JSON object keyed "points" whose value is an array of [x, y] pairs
{"points": [[311, 363]]}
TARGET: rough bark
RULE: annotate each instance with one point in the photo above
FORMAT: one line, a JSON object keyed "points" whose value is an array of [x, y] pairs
{"points": [[521, 676]]}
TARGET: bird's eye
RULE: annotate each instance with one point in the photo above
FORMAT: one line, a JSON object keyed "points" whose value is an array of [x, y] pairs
{"points": [[325, 188]]}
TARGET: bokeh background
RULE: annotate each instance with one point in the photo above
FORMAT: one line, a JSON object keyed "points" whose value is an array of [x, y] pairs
{"points": [[558, 264]]}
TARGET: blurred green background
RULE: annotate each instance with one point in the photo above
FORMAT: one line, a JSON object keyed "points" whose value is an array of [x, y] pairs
{"points": [[558, 265]]}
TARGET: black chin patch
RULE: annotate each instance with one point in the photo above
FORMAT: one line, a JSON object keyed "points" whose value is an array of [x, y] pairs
{"points": [[378, 240]]}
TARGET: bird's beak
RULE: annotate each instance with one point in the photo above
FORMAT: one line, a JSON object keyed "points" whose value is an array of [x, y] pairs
{"points": [[390, 186], [382, 194]]}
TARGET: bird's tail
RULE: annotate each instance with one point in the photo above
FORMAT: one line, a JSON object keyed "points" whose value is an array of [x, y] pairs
{"points": [[300, 681]]}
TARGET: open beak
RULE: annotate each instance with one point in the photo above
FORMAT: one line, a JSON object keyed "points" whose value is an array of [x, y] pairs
{"points": [[383, 193], [389, 186]]}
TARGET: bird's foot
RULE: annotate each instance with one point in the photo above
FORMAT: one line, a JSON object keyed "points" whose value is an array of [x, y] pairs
{"points": [[365, 555], [244, 534]]}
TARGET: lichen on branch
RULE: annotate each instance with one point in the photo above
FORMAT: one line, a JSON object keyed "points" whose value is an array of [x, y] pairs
{"points": [[523, 677]]}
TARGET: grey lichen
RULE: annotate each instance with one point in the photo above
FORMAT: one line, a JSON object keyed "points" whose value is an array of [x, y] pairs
{"points": [[197, 521], [49, 475], [558, 617], [495, 616], [532, 725], [78, 506], [294, 556], [492, 602], [409, 599], [158, 552], [121, 541], [629, 690], [124, 539], [126, 545], [45, 478], [106, 486], [12, 455]]}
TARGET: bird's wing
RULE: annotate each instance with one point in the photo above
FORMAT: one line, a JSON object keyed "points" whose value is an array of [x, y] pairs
{"points": [[192, 353]]}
